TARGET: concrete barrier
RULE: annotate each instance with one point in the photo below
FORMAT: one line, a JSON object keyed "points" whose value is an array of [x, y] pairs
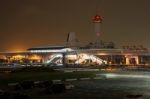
{"points": [[88, 78], [74, 79], [97, 78], [56, 81]]}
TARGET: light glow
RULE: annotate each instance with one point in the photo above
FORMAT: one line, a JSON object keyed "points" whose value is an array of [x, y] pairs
{"points": [[18, 57], [35, 57]]}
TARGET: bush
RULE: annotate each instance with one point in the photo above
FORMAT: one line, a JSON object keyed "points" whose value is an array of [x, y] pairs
{"points": [[58, 88], [18, 95], [45, 83], [4, 94], [27, 84]]}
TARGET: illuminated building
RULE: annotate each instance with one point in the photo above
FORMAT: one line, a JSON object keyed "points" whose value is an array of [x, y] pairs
{"points": [[77, 53], [59, 55]]}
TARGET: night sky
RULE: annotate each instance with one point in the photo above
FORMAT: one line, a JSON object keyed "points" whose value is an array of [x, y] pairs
{"points": [[33, 23]]}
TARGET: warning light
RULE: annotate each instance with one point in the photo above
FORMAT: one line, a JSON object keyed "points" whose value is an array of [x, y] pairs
{"points": [[97, 18]]}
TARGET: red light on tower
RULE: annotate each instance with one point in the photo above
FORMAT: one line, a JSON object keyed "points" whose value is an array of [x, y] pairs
{"points": [[97, 18]]}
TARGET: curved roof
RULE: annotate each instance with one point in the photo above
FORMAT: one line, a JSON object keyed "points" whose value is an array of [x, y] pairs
{"points": [[48, 48]]}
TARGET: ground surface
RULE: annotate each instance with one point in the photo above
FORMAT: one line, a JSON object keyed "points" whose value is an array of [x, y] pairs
{"points": [[114, 86]]}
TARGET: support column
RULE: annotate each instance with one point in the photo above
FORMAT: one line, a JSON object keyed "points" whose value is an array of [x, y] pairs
{"points": [[127, 61], [64, 59]]}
